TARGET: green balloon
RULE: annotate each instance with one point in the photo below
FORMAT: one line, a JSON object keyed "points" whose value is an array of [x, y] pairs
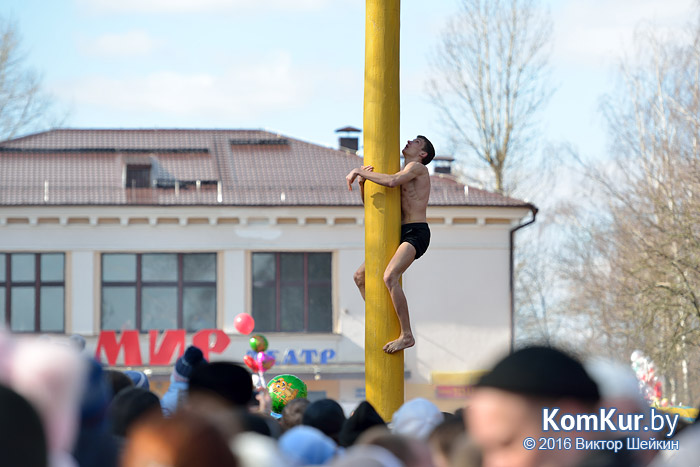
{"points": [[284, 388], [258, 343]]}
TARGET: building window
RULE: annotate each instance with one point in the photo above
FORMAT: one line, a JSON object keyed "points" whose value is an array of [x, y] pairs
{"points": [[138, 176], [159, 291], [32, 290], [292, 292]]}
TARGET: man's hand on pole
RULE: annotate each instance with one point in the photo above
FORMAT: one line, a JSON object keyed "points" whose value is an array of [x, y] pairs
{"points": [[357, 173]]}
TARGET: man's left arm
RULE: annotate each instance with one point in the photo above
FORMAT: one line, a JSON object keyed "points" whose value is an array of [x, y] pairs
{"points": [[408, 173]]}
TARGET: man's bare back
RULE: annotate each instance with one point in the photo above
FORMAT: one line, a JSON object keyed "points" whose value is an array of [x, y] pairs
{"points": [[414, 180]]}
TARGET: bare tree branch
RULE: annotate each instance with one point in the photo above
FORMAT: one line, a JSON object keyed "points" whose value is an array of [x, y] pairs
{"points": [[489, 81], [23, 105], [634, 266]]}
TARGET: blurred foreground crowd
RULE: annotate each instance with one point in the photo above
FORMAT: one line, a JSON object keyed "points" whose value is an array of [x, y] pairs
{"points": [[60, 408]]}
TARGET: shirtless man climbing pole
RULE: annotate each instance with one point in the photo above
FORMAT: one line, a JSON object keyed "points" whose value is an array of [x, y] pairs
{"points": [[414, 181]]}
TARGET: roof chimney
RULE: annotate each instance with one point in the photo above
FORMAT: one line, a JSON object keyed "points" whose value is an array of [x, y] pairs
{"points": [[348, 140], [443, 164]]}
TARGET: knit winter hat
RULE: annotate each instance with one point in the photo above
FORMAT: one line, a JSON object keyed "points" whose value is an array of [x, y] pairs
{"points": [[139, 378], [542, 372], [192, 358]]}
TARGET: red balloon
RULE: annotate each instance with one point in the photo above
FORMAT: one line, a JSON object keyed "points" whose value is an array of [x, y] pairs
{"points": [[251, 363], [244, 323]]}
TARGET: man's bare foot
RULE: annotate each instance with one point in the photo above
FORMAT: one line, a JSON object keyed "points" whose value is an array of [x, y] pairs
{"points": [[403, 342]]}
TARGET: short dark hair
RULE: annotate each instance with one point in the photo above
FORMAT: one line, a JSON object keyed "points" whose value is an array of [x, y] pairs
{"points": [[293, 413], [427, 147]]}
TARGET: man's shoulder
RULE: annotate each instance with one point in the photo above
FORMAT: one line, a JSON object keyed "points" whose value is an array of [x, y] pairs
{"points": [[417, 167]]}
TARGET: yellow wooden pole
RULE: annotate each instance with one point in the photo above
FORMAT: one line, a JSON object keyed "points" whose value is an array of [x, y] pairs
{"points": [[384, 385]]}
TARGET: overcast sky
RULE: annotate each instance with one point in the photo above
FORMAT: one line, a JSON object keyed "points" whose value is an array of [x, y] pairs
{"points": [[294, 66]]}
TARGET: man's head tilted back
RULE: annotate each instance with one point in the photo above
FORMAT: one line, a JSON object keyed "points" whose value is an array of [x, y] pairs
{"points": [[428, 148]]}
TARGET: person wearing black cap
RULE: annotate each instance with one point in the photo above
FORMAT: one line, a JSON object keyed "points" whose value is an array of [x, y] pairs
{"points": [[326, 415], [228, 381], [508, 402], [179, 379], [221, 392]]}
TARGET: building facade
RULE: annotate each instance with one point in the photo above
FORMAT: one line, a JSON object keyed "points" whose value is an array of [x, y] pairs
{"points": [[142, 241]]}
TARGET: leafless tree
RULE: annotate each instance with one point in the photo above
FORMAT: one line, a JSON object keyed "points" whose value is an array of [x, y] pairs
{"points": [[634, 266], [539, 290], [23, 104], [489, 81]]}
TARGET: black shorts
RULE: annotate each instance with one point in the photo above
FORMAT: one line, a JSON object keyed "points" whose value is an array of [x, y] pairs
{"points": [[418, 235]]}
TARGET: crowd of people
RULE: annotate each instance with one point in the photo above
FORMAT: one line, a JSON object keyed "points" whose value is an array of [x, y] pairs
{"points": [[538, 406]]}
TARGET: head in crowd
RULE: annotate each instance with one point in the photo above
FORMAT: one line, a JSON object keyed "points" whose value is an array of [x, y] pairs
{"points": [[255, 450], [411, 451], [416, 418], [22, 444], [444, 438], [95, 447], [619, 388], [186, 364], [508, 402], [129, 406], [77, 341], [367, 456], [326, 415], [293, 413], [260, 423], [173, 398], [183, 440], [220, 391], [117, 381], [466, 453], [7, 344], [51, 376], [362, 418], [138, 378], [229, 381], [306, 445], [688, 451]]}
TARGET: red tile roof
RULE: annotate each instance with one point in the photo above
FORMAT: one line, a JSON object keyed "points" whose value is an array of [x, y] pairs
{"points": [[253, 167]]}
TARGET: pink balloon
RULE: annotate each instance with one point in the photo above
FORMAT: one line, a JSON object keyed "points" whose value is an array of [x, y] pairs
{"points": [[264, 360], [244, 323]]}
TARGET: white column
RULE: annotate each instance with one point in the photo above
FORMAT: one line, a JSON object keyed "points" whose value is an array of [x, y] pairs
{"points": [[82, 285], [233, 284]]}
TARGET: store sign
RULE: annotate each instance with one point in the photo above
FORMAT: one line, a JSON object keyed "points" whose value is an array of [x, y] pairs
{"points": [[453, 392], [172, 342], [300, 357]]}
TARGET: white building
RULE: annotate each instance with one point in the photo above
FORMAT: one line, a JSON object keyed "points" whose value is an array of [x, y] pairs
{"points": [[118, 230]]}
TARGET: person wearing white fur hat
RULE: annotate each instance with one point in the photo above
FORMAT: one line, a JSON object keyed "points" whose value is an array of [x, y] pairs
{"points": [[416, 418]]}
